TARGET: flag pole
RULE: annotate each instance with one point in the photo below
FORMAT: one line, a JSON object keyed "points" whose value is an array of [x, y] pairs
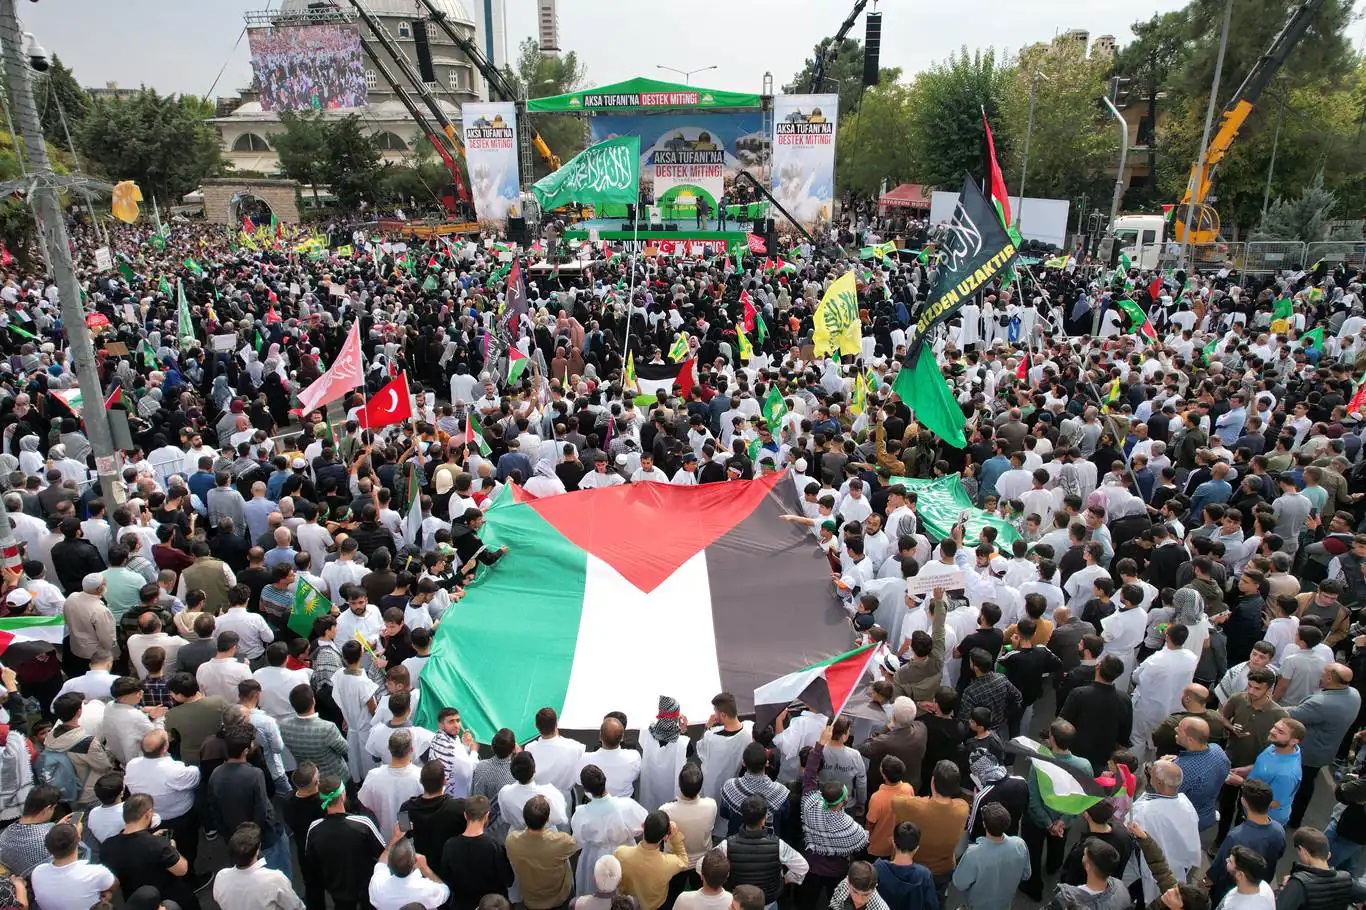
{"points": [[631, 288]]}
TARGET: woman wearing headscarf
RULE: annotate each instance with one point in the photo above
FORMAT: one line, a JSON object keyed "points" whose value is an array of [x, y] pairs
{"points": [[277, 397], [663, 752], [30, 461]]}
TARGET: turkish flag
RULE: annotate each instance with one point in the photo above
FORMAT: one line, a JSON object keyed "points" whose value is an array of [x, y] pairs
{"points": [[391, 404]]}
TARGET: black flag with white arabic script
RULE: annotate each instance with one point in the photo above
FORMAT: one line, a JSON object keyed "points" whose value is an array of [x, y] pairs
{"points": [[974, 248]]}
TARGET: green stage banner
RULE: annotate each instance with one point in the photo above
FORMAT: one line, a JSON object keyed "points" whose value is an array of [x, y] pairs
{"points": [[608, 172], [939, 502], [642, 95]]}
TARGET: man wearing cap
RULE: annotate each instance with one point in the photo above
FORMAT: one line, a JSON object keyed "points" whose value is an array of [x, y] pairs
{"points": [[686, 476], [89, 625]]}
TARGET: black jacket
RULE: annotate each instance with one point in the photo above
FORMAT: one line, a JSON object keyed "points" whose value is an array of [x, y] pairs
{"points": [[75, 559], [1104, 720], [1164, 564], [435, 821]]}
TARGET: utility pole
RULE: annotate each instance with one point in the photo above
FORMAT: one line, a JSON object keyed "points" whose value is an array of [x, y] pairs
{"points": [[1198, 175], [43, 197]]}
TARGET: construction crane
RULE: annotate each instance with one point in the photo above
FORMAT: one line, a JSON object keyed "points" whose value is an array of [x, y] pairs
{"points": [[827, 55], [1231, 121], [438, 116], [497, 82]]}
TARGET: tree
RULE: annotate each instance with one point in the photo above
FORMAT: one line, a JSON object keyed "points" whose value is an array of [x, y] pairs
{"points": [[1161, 45], [56, 94], [843, 74], [537, 76], [945, 138], [1072, 142], [871, 143], [1305, 218], [154, 139], [302, 147], [351, 162]]}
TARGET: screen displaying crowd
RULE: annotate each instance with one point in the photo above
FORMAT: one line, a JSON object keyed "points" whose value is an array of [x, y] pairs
{"points": [[308, 67]]}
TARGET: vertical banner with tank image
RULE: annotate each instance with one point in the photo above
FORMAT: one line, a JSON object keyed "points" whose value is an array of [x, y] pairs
{"points": [[804, 156], [491, 154]]}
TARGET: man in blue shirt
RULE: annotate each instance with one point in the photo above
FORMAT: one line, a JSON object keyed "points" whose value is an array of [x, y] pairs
{"points": [[201, 481], [1257, 831], [1229, 426], [1204, 768], [1278, 767], [1214, 490], [992, 469]]}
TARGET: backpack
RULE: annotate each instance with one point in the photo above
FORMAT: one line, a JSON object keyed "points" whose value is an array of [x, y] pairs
{"points": [[55, 769]]}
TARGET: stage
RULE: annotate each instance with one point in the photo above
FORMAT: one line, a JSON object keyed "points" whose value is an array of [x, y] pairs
{"points": [[610, 229]]}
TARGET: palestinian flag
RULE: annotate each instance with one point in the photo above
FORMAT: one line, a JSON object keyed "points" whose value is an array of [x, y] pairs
{"points": [[824, 687], [23, 637], [779, 266], [517, 363], [1022, 371], [1139, 323], [474, 438], [309, 604], [115, 397], [1064, 788], [599, 605], [71, 398], [650, 378], [999, 197]]}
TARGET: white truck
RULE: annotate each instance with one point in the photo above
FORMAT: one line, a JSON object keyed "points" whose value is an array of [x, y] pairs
{"points": [[1140, 237]]}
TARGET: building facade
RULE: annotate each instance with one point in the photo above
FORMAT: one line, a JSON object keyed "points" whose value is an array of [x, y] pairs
{"points": [[246, 129]]}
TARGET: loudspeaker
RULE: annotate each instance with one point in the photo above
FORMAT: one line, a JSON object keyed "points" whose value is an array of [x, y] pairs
{"points": [[758, 227], [516, 231], [671, 226], [771, 237], [872, 47], [627, 226], [424, 50]]}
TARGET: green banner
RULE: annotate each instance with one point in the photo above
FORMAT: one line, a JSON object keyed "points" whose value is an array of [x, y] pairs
{"points": [[608, 172], [643, 95], [938, 504]]}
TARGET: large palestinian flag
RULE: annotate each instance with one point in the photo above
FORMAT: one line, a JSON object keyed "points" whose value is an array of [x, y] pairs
{"points": [[650, 378], [609, 598]]}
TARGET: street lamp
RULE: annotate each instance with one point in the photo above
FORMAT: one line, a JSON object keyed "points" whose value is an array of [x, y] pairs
{"points": [[1029, 129], [686, 74]]}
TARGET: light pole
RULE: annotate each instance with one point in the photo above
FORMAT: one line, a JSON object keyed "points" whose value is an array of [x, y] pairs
{"points": [[52, 227], [686, 74], [1123, 156], [1029, 130]]}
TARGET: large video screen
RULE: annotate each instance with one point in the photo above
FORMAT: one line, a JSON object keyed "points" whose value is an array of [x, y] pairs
{"points": [[308, 67]]}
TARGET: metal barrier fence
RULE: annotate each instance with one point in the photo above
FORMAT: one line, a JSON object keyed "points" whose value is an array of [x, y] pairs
{"points": [[1266, 257]]}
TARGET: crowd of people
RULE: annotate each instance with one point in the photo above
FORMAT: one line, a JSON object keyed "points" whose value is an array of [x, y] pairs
{"points": [[1158, 597]]}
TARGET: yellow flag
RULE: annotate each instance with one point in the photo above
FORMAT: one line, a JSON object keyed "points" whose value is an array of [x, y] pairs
{"points": [[837, 329], [126, 197], [746, 349]]}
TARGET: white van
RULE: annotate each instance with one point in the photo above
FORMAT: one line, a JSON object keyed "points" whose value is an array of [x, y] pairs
{"points": [[1140, 237]]}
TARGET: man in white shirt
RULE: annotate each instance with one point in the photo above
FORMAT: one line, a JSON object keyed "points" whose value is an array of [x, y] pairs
{"points": [[514, 796], [221, 674], [125, 723], [622, 766], [601, 825], [402, 878], [648, 471], [558, 759], [69, 883], [149, 635], [1158, 684], [387, 787], [277, 681], [360, 616], [344, 571], [252, 631], [172, 785]]}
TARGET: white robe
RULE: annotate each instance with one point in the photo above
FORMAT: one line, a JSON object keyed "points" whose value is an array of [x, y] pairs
{"points": [[601, 826], [1123, 632], [352, 693], [720, 755], [1175, 825], [1158, 682], [659, 769]]}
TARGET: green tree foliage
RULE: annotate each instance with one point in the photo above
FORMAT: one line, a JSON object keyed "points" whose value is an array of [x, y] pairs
{"points": [[350, 162], [1072, 142], [944, 130], [537, 75], [843, 74], [157, 140], [58, 92], [301, 147], [418, 179], [1315, 96], [870, 144], [1305, 218], [1161, 45]]}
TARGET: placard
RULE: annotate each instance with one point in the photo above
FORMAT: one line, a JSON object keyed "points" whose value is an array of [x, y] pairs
{"points": [[337, 290], [116, 349], [225, 342], [104, 260], [925, 584]]}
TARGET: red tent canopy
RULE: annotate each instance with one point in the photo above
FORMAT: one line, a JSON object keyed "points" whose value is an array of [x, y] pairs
{"points": [[907, 195]]}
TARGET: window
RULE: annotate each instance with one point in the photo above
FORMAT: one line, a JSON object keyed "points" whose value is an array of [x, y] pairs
{"points": [[250, 142], [459, 79], [404, 30], [371, 80], [390, 142]]}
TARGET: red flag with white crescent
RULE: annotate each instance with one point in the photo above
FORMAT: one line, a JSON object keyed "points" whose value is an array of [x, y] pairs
{"points": [[750, 310], [391, 404]]}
